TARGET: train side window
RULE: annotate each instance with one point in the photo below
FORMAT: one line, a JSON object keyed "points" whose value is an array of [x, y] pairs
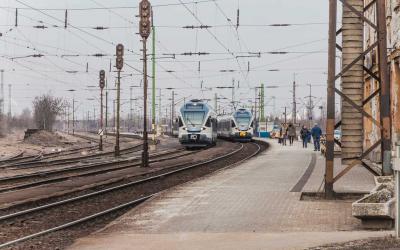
{"points": [[252, 123], [180, 122], [233, 124], [208, 123]]}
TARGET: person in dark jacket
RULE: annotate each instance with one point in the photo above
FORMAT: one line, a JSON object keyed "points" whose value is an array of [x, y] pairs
{"points": [[291, 132], [304, 134], [316, 133]]}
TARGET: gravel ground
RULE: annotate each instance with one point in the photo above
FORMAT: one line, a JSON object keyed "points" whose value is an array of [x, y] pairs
{"points": [[55, 216], [77, 172], [368, 244]]}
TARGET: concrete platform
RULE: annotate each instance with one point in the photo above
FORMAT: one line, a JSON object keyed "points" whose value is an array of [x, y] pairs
{"points": [[247, 207]]}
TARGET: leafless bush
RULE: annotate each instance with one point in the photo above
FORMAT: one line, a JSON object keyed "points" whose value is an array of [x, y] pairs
{"points": [[46, 108]]}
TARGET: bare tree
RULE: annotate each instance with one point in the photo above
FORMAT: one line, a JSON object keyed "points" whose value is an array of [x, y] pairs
{"points": [[46, 108]]}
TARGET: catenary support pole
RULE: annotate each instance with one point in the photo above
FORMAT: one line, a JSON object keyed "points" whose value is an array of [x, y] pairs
{"points": [[385, 88], [73, 116], [130, 108], [330, 123], [153, 92], [294, 112]]}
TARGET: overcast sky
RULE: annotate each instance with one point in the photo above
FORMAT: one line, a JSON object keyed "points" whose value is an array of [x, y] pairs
{"points": [[69, 50]]}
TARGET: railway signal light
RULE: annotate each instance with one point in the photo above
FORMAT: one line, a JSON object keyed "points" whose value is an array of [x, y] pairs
{"points": [[120, 54], [102, 79], [145, 15]]}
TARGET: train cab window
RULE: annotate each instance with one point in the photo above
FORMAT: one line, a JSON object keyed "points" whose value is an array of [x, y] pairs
{"points": [[180, 122], [208, 123], [233, 124], [214, 123]]}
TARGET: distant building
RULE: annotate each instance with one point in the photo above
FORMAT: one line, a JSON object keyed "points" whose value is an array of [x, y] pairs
{"points": [[371, 131]]}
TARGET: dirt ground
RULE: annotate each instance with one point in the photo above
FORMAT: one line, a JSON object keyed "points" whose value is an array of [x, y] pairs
{"points": [[13, 143]]}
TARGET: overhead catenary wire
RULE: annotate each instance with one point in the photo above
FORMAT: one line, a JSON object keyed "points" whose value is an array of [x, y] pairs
{"points": [[113, 7], [216, 39]]}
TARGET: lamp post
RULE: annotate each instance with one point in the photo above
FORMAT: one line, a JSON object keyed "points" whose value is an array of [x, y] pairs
{"points": [[73, 111], [144, 30]]}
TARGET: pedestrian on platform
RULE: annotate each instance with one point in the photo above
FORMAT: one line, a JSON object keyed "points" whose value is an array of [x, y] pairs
{"points": [[305, 134], [283, 134], [316, 133], [291, 131]]}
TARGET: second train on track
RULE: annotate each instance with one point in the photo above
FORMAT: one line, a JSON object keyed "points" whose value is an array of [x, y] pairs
{"points": [[199, 126]]}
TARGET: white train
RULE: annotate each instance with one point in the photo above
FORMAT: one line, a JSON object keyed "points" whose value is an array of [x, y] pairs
{"points": [[197, 124], [238, 127]]}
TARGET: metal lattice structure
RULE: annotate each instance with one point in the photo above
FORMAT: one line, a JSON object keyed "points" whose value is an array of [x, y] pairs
{"points": [[356, 17]]}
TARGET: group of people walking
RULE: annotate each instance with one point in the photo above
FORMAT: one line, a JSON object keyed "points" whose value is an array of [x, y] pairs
{"points": [[289, 132]]}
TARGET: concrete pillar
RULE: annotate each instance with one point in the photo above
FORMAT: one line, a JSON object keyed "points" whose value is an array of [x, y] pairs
{"points": [[352, 83]]}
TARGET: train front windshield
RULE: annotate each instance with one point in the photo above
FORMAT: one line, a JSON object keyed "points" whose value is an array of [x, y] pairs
{"points": [[243, 121], [194, 118]]}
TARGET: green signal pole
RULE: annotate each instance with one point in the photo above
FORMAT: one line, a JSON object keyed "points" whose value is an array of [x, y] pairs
{"points": [[153, 94]]}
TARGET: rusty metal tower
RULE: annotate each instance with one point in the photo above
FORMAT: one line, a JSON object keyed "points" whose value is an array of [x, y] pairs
{"points": [[352, 87]]}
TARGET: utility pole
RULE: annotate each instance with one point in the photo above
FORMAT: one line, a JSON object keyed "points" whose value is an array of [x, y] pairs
{"points": [[159, 110], [172, 111], [285, 115], [262, 104], [294, 113], [88, 121], [233, 95], [144, 30], [119, 65], [310, 107], [101, 85], [68, 116], [73, 115], [114, 115], [274, 105], [130, 107], [216, 103], [9, 103]]}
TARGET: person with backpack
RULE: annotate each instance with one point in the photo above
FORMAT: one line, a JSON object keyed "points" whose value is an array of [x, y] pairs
{"points": [[304, 134], [316, 133]]}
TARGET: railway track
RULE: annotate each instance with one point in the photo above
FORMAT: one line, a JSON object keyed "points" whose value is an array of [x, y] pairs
{"points": [[20, 158], [58, 175], [94, 209], [70, 160]]}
